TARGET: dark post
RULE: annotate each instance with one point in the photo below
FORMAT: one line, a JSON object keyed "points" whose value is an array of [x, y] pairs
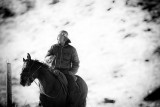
{"points": [[9, 86]]}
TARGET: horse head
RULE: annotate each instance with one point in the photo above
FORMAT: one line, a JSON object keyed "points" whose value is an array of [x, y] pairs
{"points": [[29, 71]]}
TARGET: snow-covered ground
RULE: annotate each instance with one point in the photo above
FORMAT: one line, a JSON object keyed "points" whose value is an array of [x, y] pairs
{"points": [[115, 46]]}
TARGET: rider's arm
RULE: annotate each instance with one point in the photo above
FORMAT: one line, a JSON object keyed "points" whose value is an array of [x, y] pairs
{"points": [[51, 51], [51, 54], [74, 62]]}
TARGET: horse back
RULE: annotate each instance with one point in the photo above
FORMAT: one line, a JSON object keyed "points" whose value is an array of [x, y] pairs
{"points": [[82, 85]]}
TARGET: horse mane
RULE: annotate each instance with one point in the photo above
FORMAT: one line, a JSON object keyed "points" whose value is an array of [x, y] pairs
{"points": [[42, 64]]}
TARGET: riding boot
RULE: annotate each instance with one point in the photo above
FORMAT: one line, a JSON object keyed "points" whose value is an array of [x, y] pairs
{"points": [[72, 85], [75, 84]]}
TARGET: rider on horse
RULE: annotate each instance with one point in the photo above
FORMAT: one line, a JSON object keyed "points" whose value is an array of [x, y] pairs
{"points": [[64, 58]]}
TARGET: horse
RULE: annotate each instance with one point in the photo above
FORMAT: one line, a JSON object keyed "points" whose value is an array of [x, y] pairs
{"points": [[52, 91]]}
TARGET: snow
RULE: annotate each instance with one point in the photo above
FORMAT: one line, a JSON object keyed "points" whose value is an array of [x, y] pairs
{"points": [[112, 64]]}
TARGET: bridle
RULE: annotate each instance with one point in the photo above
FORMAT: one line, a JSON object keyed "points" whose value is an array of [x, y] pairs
{"points": [[27, 73], [31, 76]]}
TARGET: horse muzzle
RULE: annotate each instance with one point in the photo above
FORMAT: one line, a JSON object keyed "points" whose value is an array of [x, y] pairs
{"points": [[25, 82], [28, 83], [22, 83]]}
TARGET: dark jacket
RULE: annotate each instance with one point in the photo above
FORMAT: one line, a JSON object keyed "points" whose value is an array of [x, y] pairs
{"points": [[66, 57]]}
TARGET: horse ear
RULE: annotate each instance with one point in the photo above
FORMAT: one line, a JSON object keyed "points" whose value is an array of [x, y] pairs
{"points": [[28, 56], [24, 60]]}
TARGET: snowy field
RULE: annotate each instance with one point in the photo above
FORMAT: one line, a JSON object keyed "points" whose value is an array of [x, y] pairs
{"points": [[117, 42]]}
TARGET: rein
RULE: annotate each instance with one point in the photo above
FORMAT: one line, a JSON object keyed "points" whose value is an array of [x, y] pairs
{"points": [[45, 93], [31, 76]]}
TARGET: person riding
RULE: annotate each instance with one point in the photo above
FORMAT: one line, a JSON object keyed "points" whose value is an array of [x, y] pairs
{"points": [[64, 58]]}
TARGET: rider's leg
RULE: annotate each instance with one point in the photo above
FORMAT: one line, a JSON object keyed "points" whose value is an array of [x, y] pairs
{"points": [[72, 85]]}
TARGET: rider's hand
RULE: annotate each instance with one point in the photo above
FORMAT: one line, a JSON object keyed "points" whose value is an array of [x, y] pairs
{"points": [[50, 59], [70, 73], [56, 72]]}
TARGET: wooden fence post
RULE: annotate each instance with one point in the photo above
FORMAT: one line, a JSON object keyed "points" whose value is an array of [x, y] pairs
{"points": [[9, 85]]}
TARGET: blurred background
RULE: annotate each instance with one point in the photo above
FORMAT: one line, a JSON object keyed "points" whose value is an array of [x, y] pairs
{"points": [[118, 43]]}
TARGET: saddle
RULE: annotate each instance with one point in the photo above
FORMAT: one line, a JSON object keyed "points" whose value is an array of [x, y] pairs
{"points": [[64, 82]]}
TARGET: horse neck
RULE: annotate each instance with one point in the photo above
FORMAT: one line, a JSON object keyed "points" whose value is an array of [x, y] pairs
{"points": [[47, 81]]}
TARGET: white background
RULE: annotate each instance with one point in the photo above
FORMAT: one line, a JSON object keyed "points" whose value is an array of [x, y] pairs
{"points": [[113, 66]]}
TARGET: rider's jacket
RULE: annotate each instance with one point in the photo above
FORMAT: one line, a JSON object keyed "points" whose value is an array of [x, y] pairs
{"points": [[66, 57]]}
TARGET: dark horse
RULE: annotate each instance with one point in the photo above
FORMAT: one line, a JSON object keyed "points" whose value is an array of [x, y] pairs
{"points": [[52, 91]]}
